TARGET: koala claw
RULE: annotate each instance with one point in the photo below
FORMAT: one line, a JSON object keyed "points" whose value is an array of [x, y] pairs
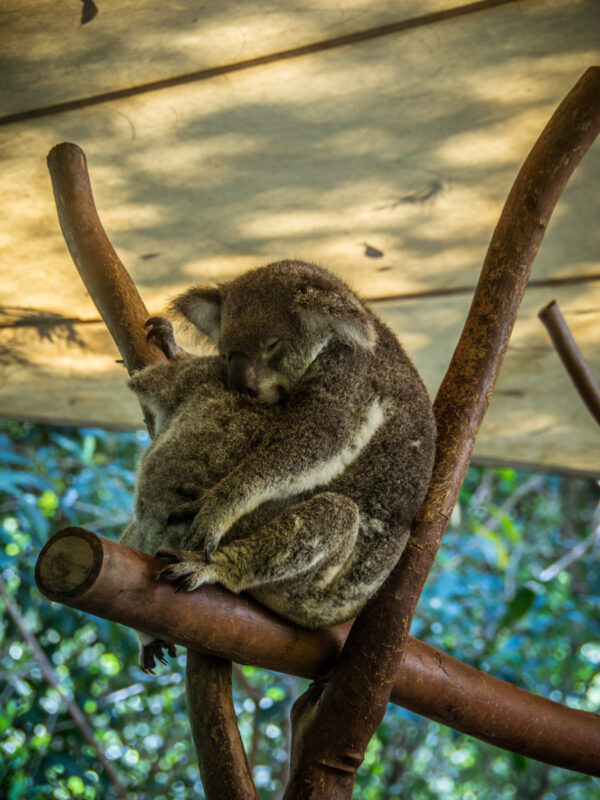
{"points": [[153, 651], [211, 542], [185, 570], [160, 329]]}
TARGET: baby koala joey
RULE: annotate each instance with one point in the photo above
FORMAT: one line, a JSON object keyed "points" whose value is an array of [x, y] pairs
{"points": [[292, 464]]}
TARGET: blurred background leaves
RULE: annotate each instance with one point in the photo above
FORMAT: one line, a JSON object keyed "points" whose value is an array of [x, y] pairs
{"points": [[514, 591]]}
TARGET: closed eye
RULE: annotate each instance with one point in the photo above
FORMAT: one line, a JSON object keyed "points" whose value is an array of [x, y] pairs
{"points": [[272, 346]]}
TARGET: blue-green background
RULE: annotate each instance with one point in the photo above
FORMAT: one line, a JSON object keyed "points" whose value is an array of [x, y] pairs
{"points": [[486, 603]]}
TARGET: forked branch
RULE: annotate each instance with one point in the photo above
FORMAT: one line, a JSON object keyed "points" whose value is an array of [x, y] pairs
{"points": [[221, 757], [354, 699]]}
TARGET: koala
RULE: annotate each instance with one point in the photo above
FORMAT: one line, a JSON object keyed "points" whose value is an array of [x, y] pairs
{"points": [[290, 465]]}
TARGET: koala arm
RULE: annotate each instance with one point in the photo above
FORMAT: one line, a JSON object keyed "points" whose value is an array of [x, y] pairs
{"points": [[328, 419]]}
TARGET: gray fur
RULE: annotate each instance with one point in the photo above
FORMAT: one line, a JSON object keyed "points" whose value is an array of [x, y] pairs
{"points": [[306, 447]]}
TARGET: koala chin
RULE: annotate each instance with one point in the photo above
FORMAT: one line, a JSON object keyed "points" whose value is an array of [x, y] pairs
{"points": [[291, 464]]}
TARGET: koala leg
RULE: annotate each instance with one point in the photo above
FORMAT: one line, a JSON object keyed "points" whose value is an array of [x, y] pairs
{"points": [[316, 536]]}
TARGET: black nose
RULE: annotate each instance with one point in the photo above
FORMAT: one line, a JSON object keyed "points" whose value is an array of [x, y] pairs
{"points": [[241, 377]]}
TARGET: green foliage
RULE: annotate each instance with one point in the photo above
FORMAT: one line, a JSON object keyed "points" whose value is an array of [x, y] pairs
{"points": [[486, 603]]}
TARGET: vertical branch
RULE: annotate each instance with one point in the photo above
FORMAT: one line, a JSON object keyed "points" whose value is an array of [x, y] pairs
{"points": [[100, 268], [214, 726], [123, 311], [338, 724]]}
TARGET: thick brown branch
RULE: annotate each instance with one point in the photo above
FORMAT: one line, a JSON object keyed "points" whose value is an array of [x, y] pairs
{"points": [[572, 357], [354, 700], [124, 313], [99, 576], [101, 269], [214, 725]]}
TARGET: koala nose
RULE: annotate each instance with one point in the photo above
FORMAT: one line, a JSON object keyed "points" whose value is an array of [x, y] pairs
{"points": [[241, 376]]}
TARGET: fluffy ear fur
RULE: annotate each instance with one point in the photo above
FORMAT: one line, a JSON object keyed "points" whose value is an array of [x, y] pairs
{"points": [[325, 305], [201, 305]]}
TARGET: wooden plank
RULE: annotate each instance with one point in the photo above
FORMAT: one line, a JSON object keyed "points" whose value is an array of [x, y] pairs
{"points": [[381, 161], [65, 374], [51, 57], [535, 418]]}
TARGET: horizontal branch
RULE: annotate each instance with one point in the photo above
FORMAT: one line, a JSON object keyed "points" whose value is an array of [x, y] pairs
{"points": [[85, 571]]}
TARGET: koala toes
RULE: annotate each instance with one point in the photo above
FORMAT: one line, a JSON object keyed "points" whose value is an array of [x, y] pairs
{"points": [[185, 570], [161, 330], [153, 651]]}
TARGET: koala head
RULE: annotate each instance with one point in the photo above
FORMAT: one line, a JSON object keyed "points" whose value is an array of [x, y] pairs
{"points": [[271, 324]]}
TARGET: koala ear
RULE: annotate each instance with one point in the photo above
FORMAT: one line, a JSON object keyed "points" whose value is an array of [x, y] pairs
{"points": [[201, 305], [332, 308]]}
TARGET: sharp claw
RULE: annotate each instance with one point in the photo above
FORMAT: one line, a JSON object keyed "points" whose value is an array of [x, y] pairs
{"points": [[207, 551]]}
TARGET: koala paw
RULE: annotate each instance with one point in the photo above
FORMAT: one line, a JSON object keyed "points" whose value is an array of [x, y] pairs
{"points": [[201, 536], [153, 651], [185, 569], [161, 331]]}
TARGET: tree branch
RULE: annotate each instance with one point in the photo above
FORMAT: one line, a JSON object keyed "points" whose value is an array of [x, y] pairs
{"points": [[100, 268], [345, 715], [101, 577], [575, 553], [572, 357], [124, 313]]}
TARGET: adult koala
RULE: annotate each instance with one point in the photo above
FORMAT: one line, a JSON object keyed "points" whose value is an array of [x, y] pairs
{"points": [[306, 446]]}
